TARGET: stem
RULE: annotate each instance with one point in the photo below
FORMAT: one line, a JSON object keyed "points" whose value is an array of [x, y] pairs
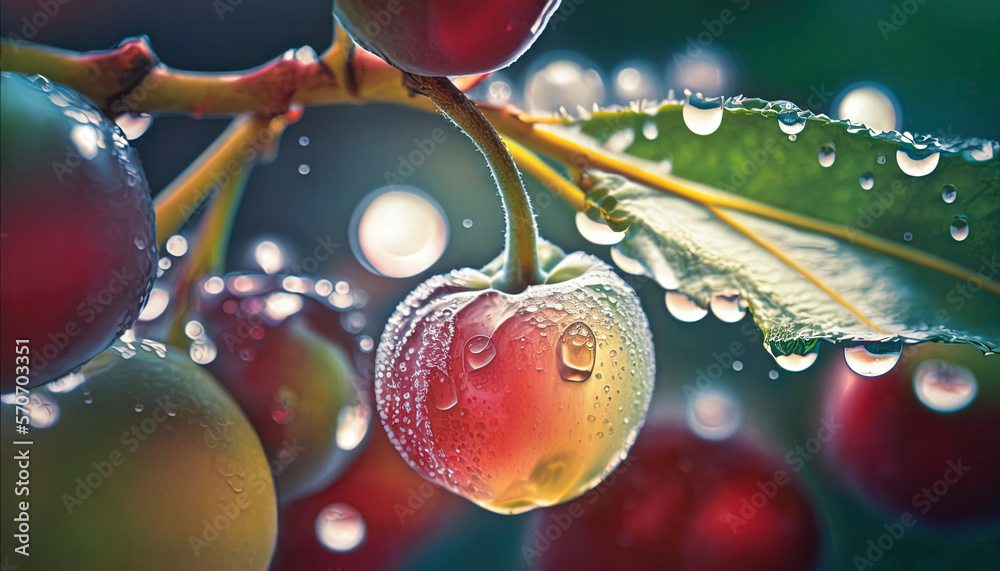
{"points": [[209, 254], [231, 154], [521, 267]]}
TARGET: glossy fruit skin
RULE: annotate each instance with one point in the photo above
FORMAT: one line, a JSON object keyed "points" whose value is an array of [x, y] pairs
{"points": [[677, 502], [148, 464], [506, 429], [296, 385], [892, 447], [398, 508], [79, 247], [445, 37]]}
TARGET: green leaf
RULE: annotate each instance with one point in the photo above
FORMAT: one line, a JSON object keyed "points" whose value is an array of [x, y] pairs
{"points": [[813, 253]]}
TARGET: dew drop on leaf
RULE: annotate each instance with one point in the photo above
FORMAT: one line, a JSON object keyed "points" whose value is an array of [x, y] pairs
{"points": [[597, 232], [575, 352], [791, 122], [867, 181], [919, 165], [959, 227], [683, 308], [728, 306], [702, 115], [943, 386], [827, 154], [871, 359], [949, 193]]}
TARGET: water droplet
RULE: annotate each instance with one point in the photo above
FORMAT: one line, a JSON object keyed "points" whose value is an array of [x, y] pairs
{"points": [[650, 130], [304, 169], [907, 236], [728, 306], [713, 415], [949, 193], [683, 308], [796, 363], [87, 398], [867, 181], [340, 527], [920, 164], [398, 231], [177, 245], [304, 141], [959, 227], [880, 159], [479, 352], [827, 154], [467, 223], [156, 304], [442, 387], [140, 242], [138, 407], [591, 418], [772, 374], [737, 365], [575, 352], [702, 116], [873, 359], [627, 264], [791, 122], [944, 386], [597, 231]]}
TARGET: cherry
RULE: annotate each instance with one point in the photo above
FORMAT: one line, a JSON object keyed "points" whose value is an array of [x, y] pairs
{"points": [[445, 37], [923, 438], [285, 358], [139, 460], [368, 519], [516, 401], [680, 502], [79, 242]]}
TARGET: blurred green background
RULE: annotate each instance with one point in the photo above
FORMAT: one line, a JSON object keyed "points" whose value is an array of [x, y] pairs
{"points": [[942, 63]]}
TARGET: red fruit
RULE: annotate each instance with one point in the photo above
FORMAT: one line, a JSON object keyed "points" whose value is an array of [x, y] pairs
{"points": [[516, 401], [445, 37], [680, 502], [273, 350], [899, 453], [397, 508], [79, 242]]}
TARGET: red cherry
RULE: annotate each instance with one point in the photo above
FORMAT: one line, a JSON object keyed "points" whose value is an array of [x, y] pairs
{"points": [[272, 350], [79, 242], [445, 37], [680, 502], [516, 401], [379, 501], [939, 461]]}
